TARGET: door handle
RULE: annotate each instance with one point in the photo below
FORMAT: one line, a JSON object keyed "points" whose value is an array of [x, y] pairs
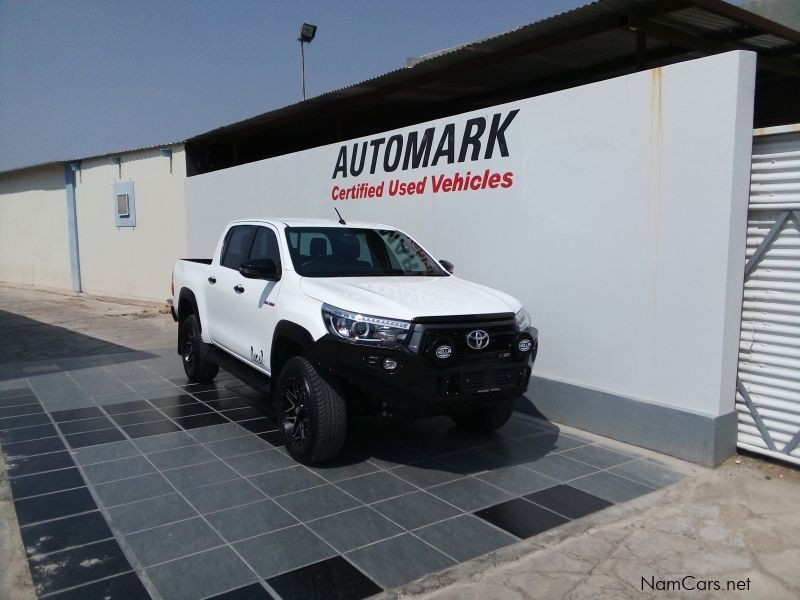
{"points": [[238, 289], [212, 280]]}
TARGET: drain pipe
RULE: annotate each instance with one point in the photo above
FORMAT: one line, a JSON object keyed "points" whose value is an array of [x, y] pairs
{"points": [[72, 224]]}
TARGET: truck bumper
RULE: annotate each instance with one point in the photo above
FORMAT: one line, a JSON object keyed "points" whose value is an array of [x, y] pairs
{"points": [[405, 382]]}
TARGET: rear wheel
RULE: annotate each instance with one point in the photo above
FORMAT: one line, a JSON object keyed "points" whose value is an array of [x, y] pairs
{"points": [[196, 363], [487, 417], [311, 411]]}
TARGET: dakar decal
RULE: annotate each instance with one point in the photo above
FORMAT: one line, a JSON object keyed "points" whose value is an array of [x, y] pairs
{"points": [[482, 138], [257, 357]]}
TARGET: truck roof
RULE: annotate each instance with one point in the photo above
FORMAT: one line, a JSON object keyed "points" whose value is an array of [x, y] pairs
{"points": [[297, 222]]}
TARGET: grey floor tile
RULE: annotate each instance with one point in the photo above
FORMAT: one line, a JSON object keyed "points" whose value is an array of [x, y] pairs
{"points": [[250, 519], [165, 441], [398, 560], [286, 481], [133, 489], [597, 456], [610, 487], [560, 467], [181, 457], [647, 473], [415, 510], [146, 514], [354, 528], [316, 502], [514, 452], [223, 495], [518, 480], [554, 442], [289, 549], [472, 461], [426, 473], [118, 469], [202, 575], [104, 452], [116, 398], [260, 462], [204, 474], [215, 433], [376, 486], [237, 446], [175, 540], [344, 467], [465, 537], [470, 494]]}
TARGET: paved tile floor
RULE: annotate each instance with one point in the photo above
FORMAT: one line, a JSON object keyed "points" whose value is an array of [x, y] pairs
{"points": [[130, 482]]}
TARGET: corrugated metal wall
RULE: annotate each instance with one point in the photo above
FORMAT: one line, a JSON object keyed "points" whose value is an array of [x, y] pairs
{"points": [[768, 388]]}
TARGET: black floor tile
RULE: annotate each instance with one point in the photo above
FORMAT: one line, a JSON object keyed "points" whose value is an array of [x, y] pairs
{"points": [[44, 483], [18, 400], [174, 400], [40, 464], [201, 421], [34, 447], [124, 587], [24, 421], [198, 387], [18, 411], [568, 501], [92, 438], [127, 407], [142, 416], [224, 403], [77, 566], [329, 579], [258, 425], [521, 518], [65, 533], [273, 437], [15, 392], [219, 394], [77, 413], [186, 410], [53, 506], [152, 428], [250, 592], [84, 425], [27, 433], [245, 414]]}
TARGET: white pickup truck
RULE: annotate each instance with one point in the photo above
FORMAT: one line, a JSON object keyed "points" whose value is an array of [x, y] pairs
{"points": [[350, 319]]}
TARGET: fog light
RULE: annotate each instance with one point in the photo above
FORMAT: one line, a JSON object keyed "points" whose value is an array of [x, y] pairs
{"points": [[389, 364], [524, 345]]}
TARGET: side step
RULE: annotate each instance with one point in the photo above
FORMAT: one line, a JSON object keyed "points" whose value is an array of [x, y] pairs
{"points": [[256, 380]]}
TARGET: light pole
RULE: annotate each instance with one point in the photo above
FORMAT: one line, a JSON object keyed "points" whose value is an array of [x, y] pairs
{"points": [[307, 33]]}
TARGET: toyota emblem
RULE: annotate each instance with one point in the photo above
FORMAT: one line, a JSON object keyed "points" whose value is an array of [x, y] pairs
{"points": [[477, 339]]}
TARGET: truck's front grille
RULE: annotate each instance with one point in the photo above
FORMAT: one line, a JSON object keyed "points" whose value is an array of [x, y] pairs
{"points": [[501, 343]]}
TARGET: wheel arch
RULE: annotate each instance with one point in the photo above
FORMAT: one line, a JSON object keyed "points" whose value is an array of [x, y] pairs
{"points": [[289, 339], [187, 305]]}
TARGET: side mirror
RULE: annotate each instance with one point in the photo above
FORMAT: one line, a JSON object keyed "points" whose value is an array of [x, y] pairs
{"points": [[448, 266], [262, 268]]}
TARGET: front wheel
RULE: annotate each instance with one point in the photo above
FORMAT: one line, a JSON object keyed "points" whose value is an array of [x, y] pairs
{"points": [[487, 417], [196, 363], [311, 410]]}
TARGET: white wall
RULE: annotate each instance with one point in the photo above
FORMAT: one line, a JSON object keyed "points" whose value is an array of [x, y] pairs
{"points": [[133, 262], [34, 242], [623, 232]]}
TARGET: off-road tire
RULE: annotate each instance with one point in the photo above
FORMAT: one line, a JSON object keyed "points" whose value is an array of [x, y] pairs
{"points": [[487, 417], [325, 411], [196, 362]]}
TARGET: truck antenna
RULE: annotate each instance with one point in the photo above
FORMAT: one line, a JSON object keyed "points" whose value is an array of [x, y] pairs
{"points": [[341, 220]]}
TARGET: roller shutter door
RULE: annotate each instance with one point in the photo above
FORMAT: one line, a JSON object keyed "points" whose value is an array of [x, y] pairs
{"points": [[768, 384]]}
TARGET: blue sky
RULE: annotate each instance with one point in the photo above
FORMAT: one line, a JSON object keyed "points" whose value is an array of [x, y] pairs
{"points": [[84, 77]]}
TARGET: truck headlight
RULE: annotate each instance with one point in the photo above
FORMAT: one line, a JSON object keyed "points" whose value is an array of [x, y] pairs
{"points": [[522, 319], [364, 328]]}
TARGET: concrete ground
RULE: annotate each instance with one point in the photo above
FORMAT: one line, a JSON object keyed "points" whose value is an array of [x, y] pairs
{"points": [[739, 522]]}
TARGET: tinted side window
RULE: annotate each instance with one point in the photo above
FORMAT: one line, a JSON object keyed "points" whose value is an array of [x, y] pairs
{"points": [[237, 246], [265, 245]]}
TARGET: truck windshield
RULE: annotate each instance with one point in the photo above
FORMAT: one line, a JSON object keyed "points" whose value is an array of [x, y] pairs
{"points": [[356, 252]]}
